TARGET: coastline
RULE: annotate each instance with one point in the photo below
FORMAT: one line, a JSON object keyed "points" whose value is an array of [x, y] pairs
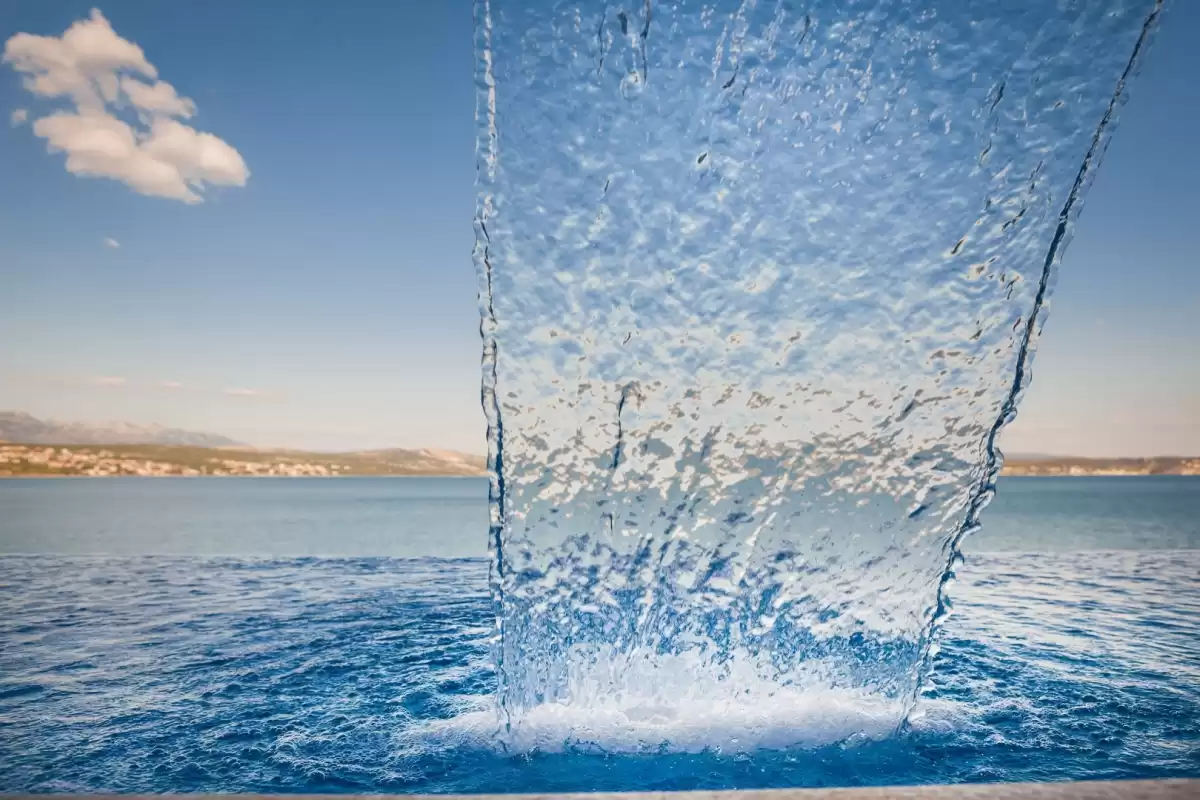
{"points": [[77, 476], [177, 461], [1101, 467], [350, 476], [154, 460]]}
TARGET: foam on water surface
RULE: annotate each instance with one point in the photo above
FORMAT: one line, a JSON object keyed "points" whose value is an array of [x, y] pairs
{"points": [[759, 286], [624, 709]]}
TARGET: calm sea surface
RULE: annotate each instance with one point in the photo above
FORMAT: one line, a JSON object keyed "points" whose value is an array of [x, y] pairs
{"points": [[330, 635], [447, 517]]}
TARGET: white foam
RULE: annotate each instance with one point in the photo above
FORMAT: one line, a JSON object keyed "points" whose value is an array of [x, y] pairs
{"points": [[673, 704]]}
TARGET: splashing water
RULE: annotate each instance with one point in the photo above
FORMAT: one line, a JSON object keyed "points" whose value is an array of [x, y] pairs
{"points": [[759, 283]]}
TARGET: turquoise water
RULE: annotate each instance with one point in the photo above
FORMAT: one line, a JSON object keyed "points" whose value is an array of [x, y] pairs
{"points": [[332, 636]]}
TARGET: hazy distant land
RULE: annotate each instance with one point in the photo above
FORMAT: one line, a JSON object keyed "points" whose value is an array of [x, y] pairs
{"points": [[23, 428], [34, 447], [21, 460], [1065, 465], [30, 447]]}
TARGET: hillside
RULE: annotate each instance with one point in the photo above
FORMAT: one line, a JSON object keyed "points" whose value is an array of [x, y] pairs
{"points": [[22, 460], [17, 460], [23, 428], [1048, 466]]}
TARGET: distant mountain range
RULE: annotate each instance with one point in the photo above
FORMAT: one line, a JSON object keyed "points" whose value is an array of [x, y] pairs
{"points": [[21, 428], [123, 448], [30, 446]]}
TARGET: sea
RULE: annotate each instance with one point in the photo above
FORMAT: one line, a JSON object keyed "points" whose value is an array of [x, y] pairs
{"points": [[331, 635]]}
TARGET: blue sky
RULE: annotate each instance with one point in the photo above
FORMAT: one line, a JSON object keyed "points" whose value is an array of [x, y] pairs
{"points": [[329, 301]]}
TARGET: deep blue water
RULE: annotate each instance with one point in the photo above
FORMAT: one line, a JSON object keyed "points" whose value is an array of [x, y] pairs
{"points": [[330, 635]]}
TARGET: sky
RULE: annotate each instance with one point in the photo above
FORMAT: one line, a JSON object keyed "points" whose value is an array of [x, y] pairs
{"points": [[285, 257]]}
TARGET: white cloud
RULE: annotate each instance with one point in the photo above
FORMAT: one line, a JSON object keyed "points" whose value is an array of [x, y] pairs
{"points": [[159, 97], [100, 73], [105, 380], [18, 117], [245, 392], [171, 385], [82, 64], [110, 242]]}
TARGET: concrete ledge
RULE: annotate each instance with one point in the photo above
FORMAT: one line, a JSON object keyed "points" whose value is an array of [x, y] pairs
{"points": [[1089, 790]]}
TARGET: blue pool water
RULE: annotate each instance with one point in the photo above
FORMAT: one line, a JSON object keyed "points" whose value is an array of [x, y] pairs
{"points": [[331, 635]]}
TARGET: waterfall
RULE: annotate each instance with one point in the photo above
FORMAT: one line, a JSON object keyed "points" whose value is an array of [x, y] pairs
{"points": [[759, 285]]}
